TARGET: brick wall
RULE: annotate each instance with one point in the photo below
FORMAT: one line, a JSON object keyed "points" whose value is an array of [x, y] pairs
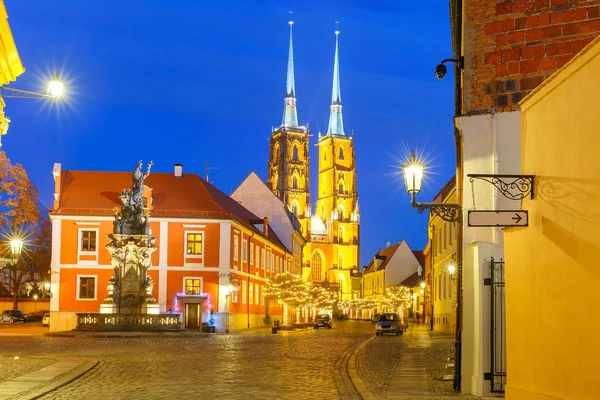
{"points": [[511, 46]]}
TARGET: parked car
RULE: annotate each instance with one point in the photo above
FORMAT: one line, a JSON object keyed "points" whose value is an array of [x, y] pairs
{"points": [[323, 321], [46, 320], [375, 318], [389, 323], [13, 316], [342, 317]]}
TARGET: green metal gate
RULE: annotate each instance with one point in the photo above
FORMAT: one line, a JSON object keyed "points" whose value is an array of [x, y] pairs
{"points": [[497, 374]]}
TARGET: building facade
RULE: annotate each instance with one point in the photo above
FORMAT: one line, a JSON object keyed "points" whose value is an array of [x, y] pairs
{"points": [[332, 229], [558, 250], [504, 49], [206, 243], [441, 270], [392, 266]]}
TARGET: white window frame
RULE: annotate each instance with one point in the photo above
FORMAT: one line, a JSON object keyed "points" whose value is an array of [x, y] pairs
{"points": [[256, 294], [251, 293], [185, 243], [193, 277], [87, 253], [234, 296], [236, 247], [262, 257], [244, 250], [79, 286], [251, 253]]}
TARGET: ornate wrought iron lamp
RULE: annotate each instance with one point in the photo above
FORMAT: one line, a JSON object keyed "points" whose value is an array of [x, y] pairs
{"points": [[413, 177], [54, 92]]}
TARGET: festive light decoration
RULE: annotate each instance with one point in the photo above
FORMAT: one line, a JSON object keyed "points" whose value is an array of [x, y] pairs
{"points": [[289, 289], [397, 298], [319, 298]]}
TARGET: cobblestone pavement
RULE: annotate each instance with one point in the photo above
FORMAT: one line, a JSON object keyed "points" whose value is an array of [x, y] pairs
{"points": [[294, 365], [377, 361], [11, 367]]}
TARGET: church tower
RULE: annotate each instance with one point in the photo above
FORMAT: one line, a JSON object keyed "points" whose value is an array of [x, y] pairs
{"points": [[333, 251], [289, 161]]}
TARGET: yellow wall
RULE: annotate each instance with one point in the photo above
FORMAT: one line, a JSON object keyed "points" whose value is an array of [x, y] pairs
{"points": [[552, 268], [443, 236]]}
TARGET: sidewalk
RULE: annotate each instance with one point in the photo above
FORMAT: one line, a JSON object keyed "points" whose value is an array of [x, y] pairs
{"points": [[37, 383], [414, 366]]}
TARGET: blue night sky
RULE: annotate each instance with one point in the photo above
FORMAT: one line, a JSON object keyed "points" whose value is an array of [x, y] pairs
{"points": [[189, 80]]}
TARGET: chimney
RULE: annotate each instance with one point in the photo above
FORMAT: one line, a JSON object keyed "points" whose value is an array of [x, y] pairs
{"points": [[56, 172], [266, 226], [387, 244], [178, 171]]}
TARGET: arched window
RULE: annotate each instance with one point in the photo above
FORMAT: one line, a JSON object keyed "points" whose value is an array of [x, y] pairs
{"points": [[341, 234], [341, 212], [341, 187], [294, 183], [340, 261], [315, 267], [341, 157], [294, 209], [295, 153]]}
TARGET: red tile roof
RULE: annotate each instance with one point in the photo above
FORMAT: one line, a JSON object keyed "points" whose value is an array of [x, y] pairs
{"points": [[385, 254], [97, 193], [420, 257]]}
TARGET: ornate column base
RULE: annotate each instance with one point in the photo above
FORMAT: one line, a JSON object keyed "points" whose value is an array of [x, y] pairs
{"points": [[149, 309], [108, 308]]}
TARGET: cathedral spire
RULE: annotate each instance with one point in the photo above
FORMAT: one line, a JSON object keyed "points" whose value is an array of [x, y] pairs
{"points": [[336, 123], [290, 118]]}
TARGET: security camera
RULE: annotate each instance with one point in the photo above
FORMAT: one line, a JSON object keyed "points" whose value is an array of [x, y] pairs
{"points": [[440, 71]]}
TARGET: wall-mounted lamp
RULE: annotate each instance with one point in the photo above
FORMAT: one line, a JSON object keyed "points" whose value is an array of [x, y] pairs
{"points": [[413, 177]]}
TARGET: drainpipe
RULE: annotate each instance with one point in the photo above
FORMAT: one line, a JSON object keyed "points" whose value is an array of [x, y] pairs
{"points": [[458, 49], [432, 274], [248, 284]]}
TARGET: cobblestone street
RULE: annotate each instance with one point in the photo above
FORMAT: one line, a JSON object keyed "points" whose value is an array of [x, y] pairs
{"points": [[311, 364]]}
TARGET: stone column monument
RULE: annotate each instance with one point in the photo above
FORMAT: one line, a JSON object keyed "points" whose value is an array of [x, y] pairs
{"points": [[130, 247]]}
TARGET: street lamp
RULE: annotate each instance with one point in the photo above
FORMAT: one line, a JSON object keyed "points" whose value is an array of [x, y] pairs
{"points": [[413, 177], [16, 246], [451, 269], [35, 297], [54, 92]]}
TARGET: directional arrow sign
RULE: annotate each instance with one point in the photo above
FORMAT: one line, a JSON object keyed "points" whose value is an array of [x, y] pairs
{"points": [[498, 218]]}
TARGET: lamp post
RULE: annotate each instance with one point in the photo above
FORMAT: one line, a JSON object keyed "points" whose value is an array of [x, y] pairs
{"points": [[423, 295], [35, 297], [413, 175]]}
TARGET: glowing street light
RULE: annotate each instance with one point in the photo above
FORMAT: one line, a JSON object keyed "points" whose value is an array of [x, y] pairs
{"points": [[54, 92], [413, 178], [422, 285], [16, 246], [451, 269], [55, 87]]}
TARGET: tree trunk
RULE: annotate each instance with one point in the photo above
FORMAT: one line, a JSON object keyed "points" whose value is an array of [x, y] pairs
{"points": [[15, 299]]}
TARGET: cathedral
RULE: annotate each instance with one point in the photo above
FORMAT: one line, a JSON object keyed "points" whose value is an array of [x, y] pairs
{"points": [[331, 229]]}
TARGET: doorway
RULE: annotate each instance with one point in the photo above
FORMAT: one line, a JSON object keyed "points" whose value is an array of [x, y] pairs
{"points": [[193, 316]]}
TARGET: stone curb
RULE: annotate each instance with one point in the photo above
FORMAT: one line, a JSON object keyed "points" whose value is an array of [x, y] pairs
{"points": [[357, 381], [61, 380]]}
